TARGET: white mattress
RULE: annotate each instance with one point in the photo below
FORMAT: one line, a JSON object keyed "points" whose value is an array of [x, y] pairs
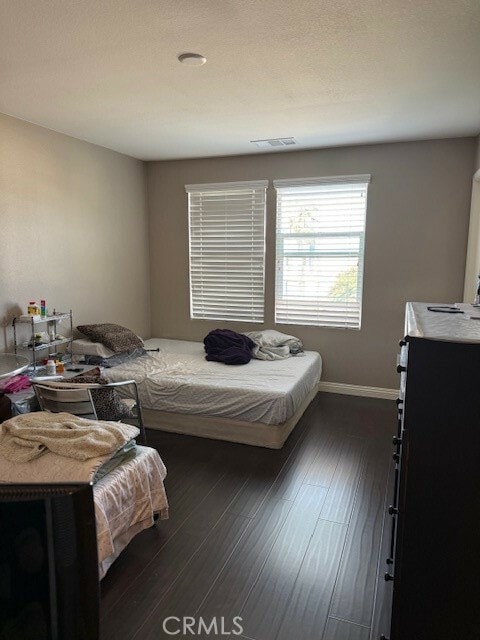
{"points": [[180, 380]]}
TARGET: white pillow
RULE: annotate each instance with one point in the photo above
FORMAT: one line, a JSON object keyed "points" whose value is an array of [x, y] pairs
{"points": [[85, 347]]}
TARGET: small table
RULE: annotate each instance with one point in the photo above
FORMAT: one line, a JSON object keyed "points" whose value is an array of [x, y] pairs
{"points": [[12, 365]]}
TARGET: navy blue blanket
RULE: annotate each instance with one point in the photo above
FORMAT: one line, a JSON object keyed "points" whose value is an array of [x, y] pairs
{"points": [[223, 345]]}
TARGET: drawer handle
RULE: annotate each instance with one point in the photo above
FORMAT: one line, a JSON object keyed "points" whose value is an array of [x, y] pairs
{"points": [[389, 560], [401, 368], [399, 401], [396, 457], [392, 510], [402, 343], [388, 577], [396, 440]]}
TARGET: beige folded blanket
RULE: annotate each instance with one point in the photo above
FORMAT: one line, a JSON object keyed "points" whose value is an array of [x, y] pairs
{"points": [[31, 435]]}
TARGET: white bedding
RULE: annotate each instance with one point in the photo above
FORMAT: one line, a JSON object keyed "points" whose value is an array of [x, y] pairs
{"points": [[178, 379], [125, 501]]}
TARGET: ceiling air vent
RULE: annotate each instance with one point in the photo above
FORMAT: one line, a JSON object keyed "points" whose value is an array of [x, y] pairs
{"points": [[274, 142]]}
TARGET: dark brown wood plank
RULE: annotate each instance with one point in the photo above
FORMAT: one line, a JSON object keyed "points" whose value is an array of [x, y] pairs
{"points": [[270, 464], [251, 498], [355, 589], [171, 559], [184, 501], [228, 594], [128, 613], [322, 442], [343, 630], [343, 488], [306, 611], [191, 586], [263, 611], [324, 465], [210, 480], [361, 417], [285, 469], [196, 467]]}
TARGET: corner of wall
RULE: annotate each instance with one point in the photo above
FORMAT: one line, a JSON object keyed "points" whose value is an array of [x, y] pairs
{"points": [[472, 261]]}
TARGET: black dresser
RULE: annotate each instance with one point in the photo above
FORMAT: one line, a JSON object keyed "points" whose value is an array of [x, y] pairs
{"points": [[431, 577]]}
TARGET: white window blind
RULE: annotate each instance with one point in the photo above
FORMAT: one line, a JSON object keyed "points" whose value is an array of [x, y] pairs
{"points": [[320, 250], [227, 250]]}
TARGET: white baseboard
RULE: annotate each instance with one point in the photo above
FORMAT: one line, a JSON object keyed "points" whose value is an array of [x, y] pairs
{"points": [[358, 390]]}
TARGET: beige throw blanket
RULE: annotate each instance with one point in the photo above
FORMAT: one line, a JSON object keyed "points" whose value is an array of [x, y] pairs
{"points": [[46, 443], [31, 435]]}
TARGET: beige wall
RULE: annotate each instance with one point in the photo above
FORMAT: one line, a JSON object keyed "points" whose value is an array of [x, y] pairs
{"points": [[73, 228], [472, 263], [416, 238]]}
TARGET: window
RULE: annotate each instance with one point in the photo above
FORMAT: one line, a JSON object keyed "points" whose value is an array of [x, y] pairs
{"points": [[227, 250], [320, 250]]}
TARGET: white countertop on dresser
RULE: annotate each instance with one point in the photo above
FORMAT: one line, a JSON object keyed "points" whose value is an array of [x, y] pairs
{"points": [[451, 327]]}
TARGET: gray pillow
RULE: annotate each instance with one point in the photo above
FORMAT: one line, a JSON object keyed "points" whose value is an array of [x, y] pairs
{"points": [[113, 336]]}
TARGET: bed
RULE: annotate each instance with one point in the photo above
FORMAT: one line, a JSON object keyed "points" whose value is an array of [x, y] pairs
{"points": [[258, 404], [126, 499]]}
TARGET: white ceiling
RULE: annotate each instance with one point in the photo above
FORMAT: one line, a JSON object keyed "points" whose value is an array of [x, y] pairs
{"points": [[329, 72]]}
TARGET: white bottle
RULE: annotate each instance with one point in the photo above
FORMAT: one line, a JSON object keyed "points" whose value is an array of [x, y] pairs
{"points": [[51, 369]]}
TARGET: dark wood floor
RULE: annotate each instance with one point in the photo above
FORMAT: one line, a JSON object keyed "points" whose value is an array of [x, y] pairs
{"points": [[288, 540]]}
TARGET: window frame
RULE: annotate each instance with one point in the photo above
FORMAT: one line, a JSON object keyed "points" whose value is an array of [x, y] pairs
{"points": [[258, 188], [289, 185]]}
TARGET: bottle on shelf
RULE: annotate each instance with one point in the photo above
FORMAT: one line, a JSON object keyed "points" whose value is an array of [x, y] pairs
{"points": [[33, 309], [52, 331], [42, 342], [51, 368]]}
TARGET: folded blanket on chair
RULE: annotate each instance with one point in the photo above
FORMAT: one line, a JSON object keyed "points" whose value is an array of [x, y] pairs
{"points": [[31, 435], [224, 345]]}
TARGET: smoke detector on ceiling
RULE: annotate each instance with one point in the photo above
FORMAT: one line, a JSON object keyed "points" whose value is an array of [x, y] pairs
{"points": [[192, 59], [274, 142]]}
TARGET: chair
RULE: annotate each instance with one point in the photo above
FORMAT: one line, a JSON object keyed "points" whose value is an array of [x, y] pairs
{"points": [[77, 399]]}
